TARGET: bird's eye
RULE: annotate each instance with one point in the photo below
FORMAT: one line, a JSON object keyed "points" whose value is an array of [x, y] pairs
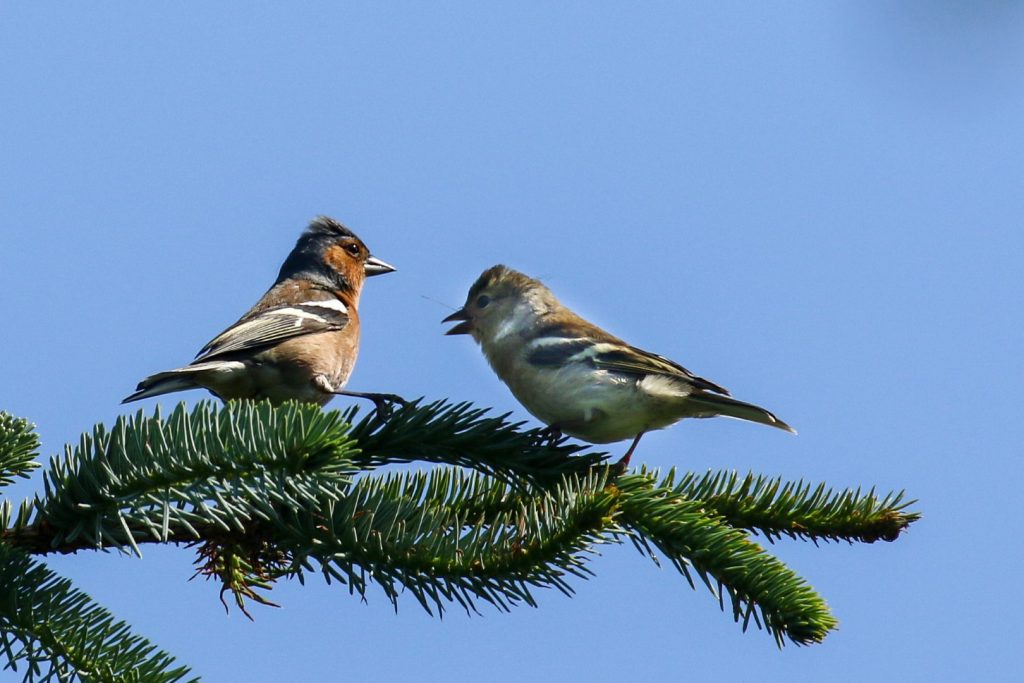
{"points": [[352, 248], [482, 301]]}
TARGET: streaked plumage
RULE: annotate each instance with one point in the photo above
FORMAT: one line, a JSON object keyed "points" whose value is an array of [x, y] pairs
{"points": [[300, 341], [577, 378]]}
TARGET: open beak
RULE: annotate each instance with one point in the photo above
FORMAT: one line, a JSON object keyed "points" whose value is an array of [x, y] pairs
{"points": [[464, 327], [374, 266]]}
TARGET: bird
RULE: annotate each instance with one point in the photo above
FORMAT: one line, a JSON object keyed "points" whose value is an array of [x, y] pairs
{"points": [[300, 340], [577, 378]]}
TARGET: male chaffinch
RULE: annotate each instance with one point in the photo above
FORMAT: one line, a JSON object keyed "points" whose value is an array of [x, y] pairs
{"points": [[577, 378], [300, 340]]}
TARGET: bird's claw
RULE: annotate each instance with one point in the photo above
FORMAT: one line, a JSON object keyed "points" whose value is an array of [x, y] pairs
{"points": [[548, 436], [384, 404]]}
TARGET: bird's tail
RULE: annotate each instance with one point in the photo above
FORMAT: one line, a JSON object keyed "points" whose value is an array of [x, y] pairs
{"points": [[164, 383], [711, 405]]}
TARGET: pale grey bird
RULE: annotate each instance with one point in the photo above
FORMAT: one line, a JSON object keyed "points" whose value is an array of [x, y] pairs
{"points": [[577, 378]]}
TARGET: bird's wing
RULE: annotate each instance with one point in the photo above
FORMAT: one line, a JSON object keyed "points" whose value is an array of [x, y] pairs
{"points": [[613, 357], [274, 325], [631, 360]]}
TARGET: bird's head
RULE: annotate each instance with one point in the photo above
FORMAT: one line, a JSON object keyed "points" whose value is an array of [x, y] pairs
{"points": [[501, 302], [331, 255]]}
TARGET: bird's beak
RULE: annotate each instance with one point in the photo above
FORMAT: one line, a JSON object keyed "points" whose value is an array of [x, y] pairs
{"points": [[464, 327], [374, 266]]}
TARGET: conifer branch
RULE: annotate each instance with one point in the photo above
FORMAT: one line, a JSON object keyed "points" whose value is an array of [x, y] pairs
{"points": [[775, 508], [459, 434], [19, 446], [423, 532], [153, 480], [758, 585], [55, 631], [265, 493]]}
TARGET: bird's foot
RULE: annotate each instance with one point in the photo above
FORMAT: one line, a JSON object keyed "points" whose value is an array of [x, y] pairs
{"points": [[383, 404], [549, 435], [623, 464]]}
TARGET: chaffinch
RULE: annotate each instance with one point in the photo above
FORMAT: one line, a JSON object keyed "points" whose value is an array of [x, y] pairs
{"points": [[300, 340], [577, 378]]}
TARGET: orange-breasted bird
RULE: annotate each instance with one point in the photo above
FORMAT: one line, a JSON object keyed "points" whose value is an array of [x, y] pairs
{"points": [[300, 340]]}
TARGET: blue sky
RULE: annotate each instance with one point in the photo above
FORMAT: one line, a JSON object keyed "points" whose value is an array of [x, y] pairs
{"points": [[817, 205]]}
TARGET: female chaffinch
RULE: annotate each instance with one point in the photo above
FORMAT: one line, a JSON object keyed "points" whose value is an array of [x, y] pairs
{"points": [[577, 378], [300, 340]]}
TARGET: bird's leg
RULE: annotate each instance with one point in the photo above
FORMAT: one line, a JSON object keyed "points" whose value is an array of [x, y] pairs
{"points": [[622, 464], [381, 402]]}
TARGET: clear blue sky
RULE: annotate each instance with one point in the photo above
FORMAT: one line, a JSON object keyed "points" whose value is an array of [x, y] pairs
{"points": [[818, 205]]}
